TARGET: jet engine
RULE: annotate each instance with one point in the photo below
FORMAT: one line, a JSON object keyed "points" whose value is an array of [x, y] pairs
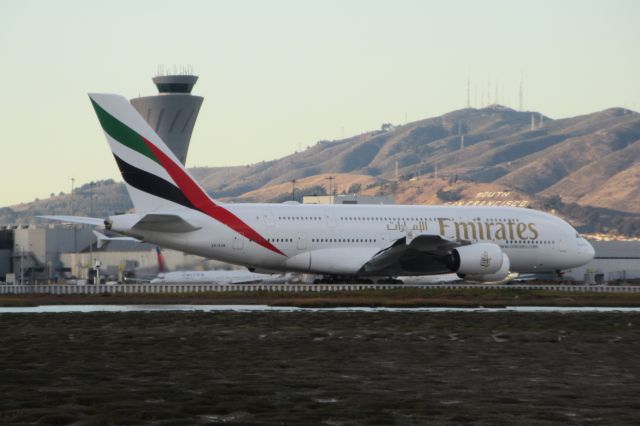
{"points": [[500, 275], [477, 259]]}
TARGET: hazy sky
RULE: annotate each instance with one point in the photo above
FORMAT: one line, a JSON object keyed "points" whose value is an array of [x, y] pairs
{"points": [[280, 75]]}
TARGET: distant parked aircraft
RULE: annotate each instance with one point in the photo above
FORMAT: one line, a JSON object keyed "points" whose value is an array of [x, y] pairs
{"points": [[216, 277]]}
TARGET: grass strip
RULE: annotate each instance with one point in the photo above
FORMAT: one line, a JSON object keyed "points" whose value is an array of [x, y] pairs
{"points": [[400, 297]]}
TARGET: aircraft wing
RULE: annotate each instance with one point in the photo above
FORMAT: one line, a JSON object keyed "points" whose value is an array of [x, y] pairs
{"points": [[94, 221], [164, 223], [424, 254]]}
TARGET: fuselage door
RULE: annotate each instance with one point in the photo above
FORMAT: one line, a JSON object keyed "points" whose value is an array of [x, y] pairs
{"points": [[301, 244], [269, 219], [563, 246], [238, 241], [330, 218]]}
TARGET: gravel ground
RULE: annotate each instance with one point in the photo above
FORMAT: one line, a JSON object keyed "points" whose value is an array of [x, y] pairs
{"points": [[319, 368]]}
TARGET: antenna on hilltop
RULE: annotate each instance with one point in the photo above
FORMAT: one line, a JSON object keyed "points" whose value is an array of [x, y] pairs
{"points": [[488, 90], [521, 95], [468, 93]]}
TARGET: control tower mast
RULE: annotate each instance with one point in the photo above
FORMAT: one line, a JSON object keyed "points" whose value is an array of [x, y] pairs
{"points": [[173, 112]]}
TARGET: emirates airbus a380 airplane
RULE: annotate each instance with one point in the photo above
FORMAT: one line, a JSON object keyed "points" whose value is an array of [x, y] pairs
{"points": [[346, 242]]}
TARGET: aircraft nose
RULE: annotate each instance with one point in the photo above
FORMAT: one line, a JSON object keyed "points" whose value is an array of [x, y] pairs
{"points": [[591, 251], [586, 250]]}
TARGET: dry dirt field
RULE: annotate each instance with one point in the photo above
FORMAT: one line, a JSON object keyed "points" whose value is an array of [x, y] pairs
{"points": [[319, 368]]}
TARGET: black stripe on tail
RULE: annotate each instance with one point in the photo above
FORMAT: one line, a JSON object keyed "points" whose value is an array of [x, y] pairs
{"points": [[151, 184]]}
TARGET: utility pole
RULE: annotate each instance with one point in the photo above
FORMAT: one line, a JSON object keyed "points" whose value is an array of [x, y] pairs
{"points": [[521, 96], [293, 189], [75, 235], [91, 233], [330, 179], [72, 182]]}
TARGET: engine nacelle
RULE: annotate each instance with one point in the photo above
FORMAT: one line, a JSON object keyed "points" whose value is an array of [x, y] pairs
{"points": [[500, 275], [477, 259]]}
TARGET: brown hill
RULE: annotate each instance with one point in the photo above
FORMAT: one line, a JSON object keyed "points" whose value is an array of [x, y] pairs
{"points": [[571, 157], [620, 192], [422, 190], [592, 160]]}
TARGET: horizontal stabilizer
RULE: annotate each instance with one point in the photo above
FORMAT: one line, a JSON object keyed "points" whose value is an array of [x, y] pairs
{"points": [[164, 223], [94, 221], [102, 239]]}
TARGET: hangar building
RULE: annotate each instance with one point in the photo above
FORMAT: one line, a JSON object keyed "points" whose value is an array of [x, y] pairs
{"points": [[615, 261]]}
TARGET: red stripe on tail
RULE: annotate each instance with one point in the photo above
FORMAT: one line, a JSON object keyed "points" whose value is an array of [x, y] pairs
{"points": [[202, 202]]}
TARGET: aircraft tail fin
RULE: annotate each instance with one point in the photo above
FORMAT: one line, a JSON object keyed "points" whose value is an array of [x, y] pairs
{"points": [[156, 180], [161, 263]]}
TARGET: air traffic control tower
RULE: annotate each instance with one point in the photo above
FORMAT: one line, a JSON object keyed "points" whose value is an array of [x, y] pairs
{"points": [[173, 112]]}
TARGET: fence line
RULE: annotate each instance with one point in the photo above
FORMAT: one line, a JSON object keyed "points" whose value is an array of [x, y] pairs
{"points": [[64, 289]]}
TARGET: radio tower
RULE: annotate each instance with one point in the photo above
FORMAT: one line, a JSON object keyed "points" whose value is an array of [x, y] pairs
{"points": [[488, 90], [520, 96], [468, 93]]}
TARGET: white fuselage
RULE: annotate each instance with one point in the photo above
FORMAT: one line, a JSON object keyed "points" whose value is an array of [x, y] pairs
{"points": [[339, 239]]}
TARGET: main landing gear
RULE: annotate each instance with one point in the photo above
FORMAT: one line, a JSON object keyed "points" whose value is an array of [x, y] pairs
{"points": [[331, 279], [354, 280]]}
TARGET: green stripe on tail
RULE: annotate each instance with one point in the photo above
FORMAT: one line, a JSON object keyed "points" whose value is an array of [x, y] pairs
{"points": [[122, 133]]}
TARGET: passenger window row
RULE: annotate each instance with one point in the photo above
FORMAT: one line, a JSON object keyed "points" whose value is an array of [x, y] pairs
{"points": [[343, 240]]}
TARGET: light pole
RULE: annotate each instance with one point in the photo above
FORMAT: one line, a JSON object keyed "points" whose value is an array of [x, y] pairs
{"points": [[21, 270]]}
